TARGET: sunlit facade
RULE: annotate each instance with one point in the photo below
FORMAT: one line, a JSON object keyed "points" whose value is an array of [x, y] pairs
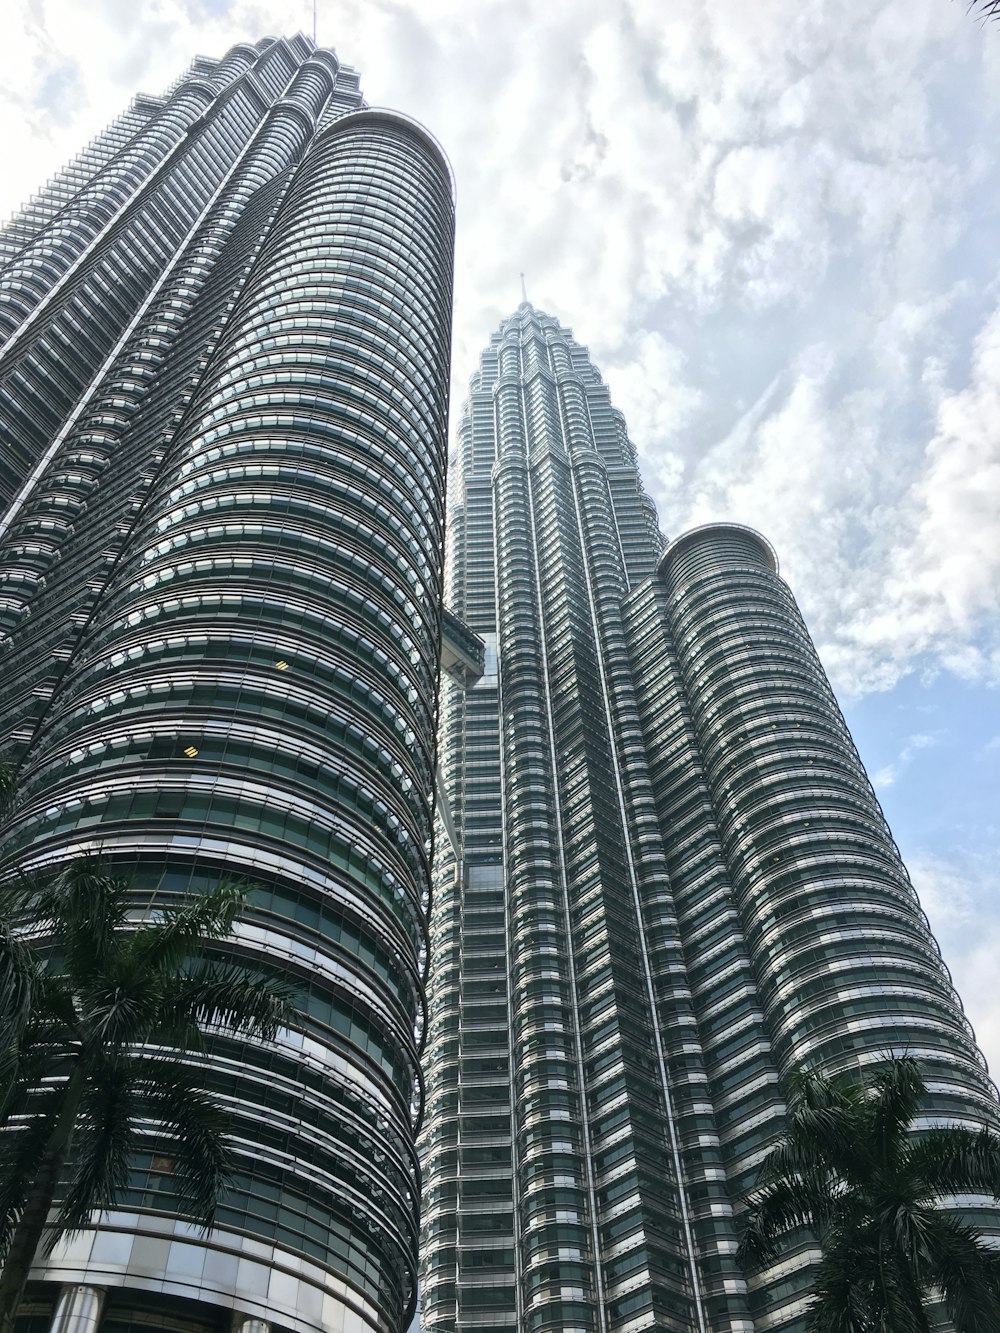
{"points": [[670, 882], [223, 403]]}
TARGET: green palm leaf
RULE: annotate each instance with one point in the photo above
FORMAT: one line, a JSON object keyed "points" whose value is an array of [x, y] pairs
{"points": [[105, 1137], [782, 1206], [167, 944], [852, 1170], [195, 1122], [224, 995], [968, 1276], [956, 1161], [19, 973], [21, 1146], [97, 1008], [898, 1090], [8, 787]]}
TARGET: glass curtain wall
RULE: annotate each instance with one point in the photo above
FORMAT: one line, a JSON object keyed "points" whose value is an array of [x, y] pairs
{"points": [[222, 582], [672, 884]]}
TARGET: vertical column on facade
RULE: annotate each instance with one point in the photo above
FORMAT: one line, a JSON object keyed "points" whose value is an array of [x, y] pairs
{"points": [[554, 1202], [844, 960], [439, 1143], [639, 1234], [468, 1275], [48, 255], [704, 1212], [742, 1110], [289, 738], [78, 1310], [80, 511], [60, 338], [444, 1079], [645, 1250]]}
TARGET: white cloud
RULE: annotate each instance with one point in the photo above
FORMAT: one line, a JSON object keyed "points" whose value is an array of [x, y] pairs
{"points": [[955, 560], [774, 225], [662, 403], [960, 899], [889, 773]]}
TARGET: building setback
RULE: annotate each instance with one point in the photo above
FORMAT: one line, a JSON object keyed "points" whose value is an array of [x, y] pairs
{"points": [[224, 342], [670, 882]]}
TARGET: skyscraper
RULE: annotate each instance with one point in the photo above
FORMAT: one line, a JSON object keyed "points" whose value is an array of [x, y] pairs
{"points": [[670, 882], [223, 398]]}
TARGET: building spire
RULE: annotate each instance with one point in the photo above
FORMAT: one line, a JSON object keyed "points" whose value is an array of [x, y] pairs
{"points": [[524, 291]]}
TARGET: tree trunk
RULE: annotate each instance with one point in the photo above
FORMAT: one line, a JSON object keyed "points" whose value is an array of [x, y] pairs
{"points": [[31, 1224]]}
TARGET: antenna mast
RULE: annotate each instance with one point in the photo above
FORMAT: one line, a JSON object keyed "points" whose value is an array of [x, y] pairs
{"points": [[314, 22]]}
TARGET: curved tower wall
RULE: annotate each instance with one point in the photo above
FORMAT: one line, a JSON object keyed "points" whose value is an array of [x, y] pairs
{"points": [[845, 966], [844, 958], [806, 944], [672, 884], [251, 693]]}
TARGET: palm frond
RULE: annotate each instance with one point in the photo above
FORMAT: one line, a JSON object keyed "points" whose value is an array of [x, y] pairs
{"points": [[47, 1049], [898, 1088], [825, 1128], [165, 946], [54, 1002], [103, 1141], [174, 1099], [230, 997], [89, 909], [967, 1273], [22, 1143], [904, 1230], [79, 906], [845, 1292], [990, 9], [8, 787], [804, 1155], [118, 1015], [87, 992], [955, 1161], [774, 1211], [19, 977], [863, 1286]]}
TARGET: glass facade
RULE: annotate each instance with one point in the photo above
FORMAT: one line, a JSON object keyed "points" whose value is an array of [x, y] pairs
{"points": [[228, 329], [670, 882]]}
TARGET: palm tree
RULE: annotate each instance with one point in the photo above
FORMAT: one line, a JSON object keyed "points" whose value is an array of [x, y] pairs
{"points": [[988, 8], [7, 786], [97, 1008], [851, 1169]]}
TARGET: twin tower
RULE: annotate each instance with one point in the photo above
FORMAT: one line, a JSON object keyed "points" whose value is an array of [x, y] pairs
{"points": [[559, 918]]}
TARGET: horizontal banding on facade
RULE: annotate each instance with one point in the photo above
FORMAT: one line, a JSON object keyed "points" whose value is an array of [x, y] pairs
{"points": [[254, 696], [843, 957]]}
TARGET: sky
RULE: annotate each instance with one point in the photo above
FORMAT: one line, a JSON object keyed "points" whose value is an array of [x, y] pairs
{"points": [[775, 226]]}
